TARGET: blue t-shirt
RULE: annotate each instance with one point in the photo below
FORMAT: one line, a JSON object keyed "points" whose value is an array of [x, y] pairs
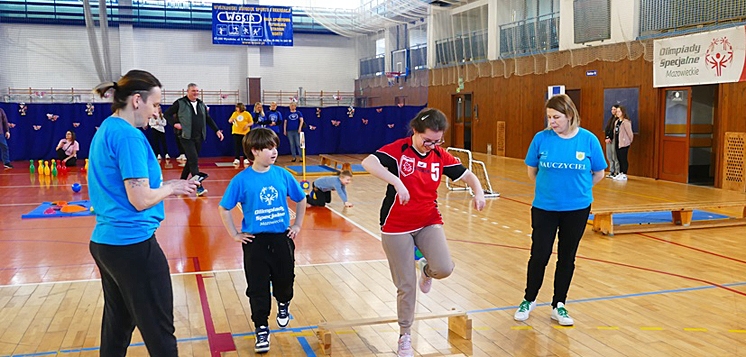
{"points": [[263, 198], [293, 120], [564, 181], [119, 151], [274, 117]]}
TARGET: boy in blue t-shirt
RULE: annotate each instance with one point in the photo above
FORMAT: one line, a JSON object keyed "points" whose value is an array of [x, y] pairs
{"points": [[266, 234], [293, 127]]}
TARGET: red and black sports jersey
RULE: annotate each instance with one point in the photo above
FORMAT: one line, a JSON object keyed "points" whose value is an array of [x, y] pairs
{"points": [[421, 176]]}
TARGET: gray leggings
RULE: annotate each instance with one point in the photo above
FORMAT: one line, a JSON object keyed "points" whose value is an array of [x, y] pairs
{"points": [[399, 250], [611, 156]]}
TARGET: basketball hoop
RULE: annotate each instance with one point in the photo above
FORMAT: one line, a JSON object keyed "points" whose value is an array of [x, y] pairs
{"points": [[392, 77]]}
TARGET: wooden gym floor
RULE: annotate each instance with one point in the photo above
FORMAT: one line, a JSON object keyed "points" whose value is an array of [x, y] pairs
{"points": [[679, 293]]}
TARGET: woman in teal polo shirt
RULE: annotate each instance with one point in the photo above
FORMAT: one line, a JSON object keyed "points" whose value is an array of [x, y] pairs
{"points": [[565, 161]]}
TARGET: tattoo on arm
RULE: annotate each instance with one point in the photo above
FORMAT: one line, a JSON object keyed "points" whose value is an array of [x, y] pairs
{"points": [[137, 183]]}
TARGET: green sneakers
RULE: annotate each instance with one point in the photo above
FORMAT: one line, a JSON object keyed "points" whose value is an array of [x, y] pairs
{"points": [[524, 309], [561, 316]]}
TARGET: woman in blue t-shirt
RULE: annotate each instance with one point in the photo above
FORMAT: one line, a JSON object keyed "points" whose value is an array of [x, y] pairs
{"points": [[124, 180], [565, 161], [293, 128]]}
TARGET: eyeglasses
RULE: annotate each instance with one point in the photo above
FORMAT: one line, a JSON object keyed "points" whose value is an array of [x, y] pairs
{"points": [[432, 143]]}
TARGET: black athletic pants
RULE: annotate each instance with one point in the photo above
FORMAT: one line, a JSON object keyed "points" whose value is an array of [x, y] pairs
{"points": [[137, 292], [270, 257], [191, 150], [545, 224], [318, 198]]}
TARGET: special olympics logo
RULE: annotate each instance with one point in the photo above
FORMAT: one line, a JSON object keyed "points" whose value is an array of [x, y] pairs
{"points": [[268, 194], [719, 55]]}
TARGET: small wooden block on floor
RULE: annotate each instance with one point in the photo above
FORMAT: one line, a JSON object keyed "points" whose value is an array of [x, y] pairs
{"points": [[458, 322]]}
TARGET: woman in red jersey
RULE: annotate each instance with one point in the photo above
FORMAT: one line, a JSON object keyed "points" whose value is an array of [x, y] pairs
{"points": [[413, 167]]}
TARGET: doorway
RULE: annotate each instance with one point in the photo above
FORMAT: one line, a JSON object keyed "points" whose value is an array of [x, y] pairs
{"points": [[461, 134], [686, 144]]}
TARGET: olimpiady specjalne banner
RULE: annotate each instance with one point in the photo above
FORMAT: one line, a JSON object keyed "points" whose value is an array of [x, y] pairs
{"points": [[703, 58]]}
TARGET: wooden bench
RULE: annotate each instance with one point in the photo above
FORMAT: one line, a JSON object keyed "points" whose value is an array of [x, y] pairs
{"points": [[681, 217], [458, 322], [333, 162]]}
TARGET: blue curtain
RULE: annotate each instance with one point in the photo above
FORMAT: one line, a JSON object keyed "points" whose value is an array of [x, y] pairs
{"points": [[337, 130]]}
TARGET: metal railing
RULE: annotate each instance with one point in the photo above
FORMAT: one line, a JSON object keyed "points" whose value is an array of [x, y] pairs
{"points": [[418, 56], [462, 48], [538, 34], [309, 98], [372, 66], [73, 95], [660, 16], [162, 14]]}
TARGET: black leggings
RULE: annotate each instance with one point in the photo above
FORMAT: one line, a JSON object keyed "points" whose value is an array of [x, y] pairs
{"points": [[61, 156], [158, 142], [571, 226], [238, 146], [621, 155]]}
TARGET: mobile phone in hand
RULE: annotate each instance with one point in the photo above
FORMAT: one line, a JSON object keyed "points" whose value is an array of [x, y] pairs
{"points": [[199, 177]]}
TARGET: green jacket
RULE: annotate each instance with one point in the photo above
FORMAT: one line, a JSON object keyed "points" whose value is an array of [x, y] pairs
{"points": [[182, 112]]}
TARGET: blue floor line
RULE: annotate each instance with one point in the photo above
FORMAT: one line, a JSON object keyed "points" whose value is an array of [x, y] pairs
{"points": [[306, 347], [309, 351]]}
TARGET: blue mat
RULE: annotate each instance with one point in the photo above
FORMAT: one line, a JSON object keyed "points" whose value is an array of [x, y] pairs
{"points": [[659, 217], [320, 170], [38, 212]]}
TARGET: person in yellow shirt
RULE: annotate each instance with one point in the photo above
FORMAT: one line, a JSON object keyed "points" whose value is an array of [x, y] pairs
{"points": [[241, 122]]}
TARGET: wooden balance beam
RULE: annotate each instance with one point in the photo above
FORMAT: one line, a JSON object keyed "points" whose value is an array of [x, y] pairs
{"points": [[681, 217], [333, 162], [458, 322]]}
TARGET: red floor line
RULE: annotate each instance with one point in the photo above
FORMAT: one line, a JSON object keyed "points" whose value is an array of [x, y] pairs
{"points": [[616, 263], [514, 200], [693, 248], [219, 342]]}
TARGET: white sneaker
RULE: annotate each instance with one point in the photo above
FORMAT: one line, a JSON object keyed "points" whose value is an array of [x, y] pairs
{"points": [[246, 162], [524, 310], [620, 177], [236, 161], [561, 316], [405, 346], [181, 157], [283, 314], [426, 282]]}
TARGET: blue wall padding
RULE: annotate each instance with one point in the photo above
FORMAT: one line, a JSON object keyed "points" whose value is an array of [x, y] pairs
{"points": [[351, 136]]}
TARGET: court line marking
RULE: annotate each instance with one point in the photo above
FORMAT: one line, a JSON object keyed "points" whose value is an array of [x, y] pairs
{"points": [[348, 219], [189, 272], [503, 308]]}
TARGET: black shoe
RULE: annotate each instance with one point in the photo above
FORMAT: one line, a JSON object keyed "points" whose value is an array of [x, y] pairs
{"points": [[283, 315], [293, 160], [262, 340], [8, 166]]}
